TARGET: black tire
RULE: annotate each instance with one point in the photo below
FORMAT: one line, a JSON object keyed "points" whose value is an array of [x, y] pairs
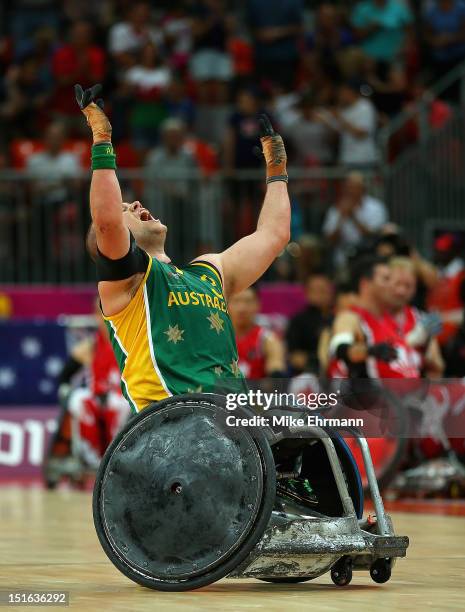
{"points": [[380, 571], [229, 563], [341, 572]]}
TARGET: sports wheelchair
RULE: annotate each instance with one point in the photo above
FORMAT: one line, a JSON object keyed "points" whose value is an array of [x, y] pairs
{"points": [[182, 500]]}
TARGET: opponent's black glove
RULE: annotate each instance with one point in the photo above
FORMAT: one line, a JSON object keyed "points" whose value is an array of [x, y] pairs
{"points": [[384, 351]]}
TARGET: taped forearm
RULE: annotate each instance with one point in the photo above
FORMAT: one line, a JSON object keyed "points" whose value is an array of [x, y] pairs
{"points": [[274, 152], [343, 347]]}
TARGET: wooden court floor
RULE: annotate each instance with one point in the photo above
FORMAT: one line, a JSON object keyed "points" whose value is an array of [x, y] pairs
{"points": [[47, 541]]}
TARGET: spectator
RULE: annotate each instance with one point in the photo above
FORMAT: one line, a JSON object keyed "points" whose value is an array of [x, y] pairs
{"points": [[54, 173], [447, 296], [355, 121], [438, 114], [311, 139], [42, 47], [53, 169], [210, 60], [23, 91], [147, 82], [241, 50], [243, 133], [390, 87], [27, 16], [241, 136], [382, 26], [276, 27], [445, 34], [171, 169], [308, 256], [127, 38], [330, 36], [178, 36], [78, 61], [355, 216], [305, 327], [178, 103]]}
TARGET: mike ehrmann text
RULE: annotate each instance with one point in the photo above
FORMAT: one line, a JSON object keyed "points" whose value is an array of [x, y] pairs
{"points": [[288, 420]]}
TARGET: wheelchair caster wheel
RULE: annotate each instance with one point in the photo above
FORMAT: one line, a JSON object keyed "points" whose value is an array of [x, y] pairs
{"points": [[341, 572], [380, 571]]}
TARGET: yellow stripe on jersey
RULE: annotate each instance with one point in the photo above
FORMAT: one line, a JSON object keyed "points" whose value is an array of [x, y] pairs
{"points": [[140, 373], [211, 268]]}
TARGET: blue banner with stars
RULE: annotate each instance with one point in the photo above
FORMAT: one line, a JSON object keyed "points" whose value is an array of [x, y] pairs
{"points": [[32, 355]]}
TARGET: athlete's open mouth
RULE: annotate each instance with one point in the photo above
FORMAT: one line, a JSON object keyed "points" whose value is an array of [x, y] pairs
{"points": [[144, 215]]}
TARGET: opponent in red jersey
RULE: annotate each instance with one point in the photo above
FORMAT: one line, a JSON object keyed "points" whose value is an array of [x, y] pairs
{"points": [[364, 342], [91, 415], [261, 352], [418, 328]]}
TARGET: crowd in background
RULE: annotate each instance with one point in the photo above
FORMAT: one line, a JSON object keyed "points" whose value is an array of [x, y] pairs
{"points": [[331, 72]]}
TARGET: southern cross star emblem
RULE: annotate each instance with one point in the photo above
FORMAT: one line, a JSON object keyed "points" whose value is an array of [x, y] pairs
{"points": [[216, 322], [218, 370], [174, 334], [235, 368]]}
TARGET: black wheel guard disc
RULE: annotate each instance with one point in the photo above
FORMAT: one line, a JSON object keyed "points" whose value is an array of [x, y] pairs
{"points": [[180, 492]]}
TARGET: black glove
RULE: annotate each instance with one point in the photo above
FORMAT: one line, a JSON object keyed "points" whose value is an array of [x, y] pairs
{"points": [[93, 112], [273, 151], [384, 351], [85, 96]]}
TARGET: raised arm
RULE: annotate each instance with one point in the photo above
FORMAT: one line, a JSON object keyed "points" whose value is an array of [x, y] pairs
{"points": [[246, 260], [105, 194]]}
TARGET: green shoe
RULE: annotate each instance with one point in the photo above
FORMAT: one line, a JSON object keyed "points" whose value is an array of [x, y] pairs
{"points": [[297, 489]]}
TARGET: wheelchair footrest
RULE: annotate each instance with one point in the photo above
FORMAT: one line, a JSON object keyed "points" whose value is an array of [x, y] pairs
{"points": [[388, 546], [308, 547]]}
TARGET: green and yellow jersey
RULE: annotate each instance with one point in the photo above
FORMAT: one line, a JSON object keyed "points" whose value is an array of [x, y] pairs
{"points": [[175, 336]]}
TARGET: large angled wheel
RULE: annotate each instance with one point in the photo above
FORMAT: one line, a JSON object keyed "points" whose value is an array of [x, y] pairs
{"points": [[180, 498]]}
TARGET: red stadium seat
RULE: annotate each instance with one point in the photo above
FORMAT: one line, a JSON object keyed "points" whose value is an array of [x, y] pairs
{"points": [[21, 150], [204, 154]]}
